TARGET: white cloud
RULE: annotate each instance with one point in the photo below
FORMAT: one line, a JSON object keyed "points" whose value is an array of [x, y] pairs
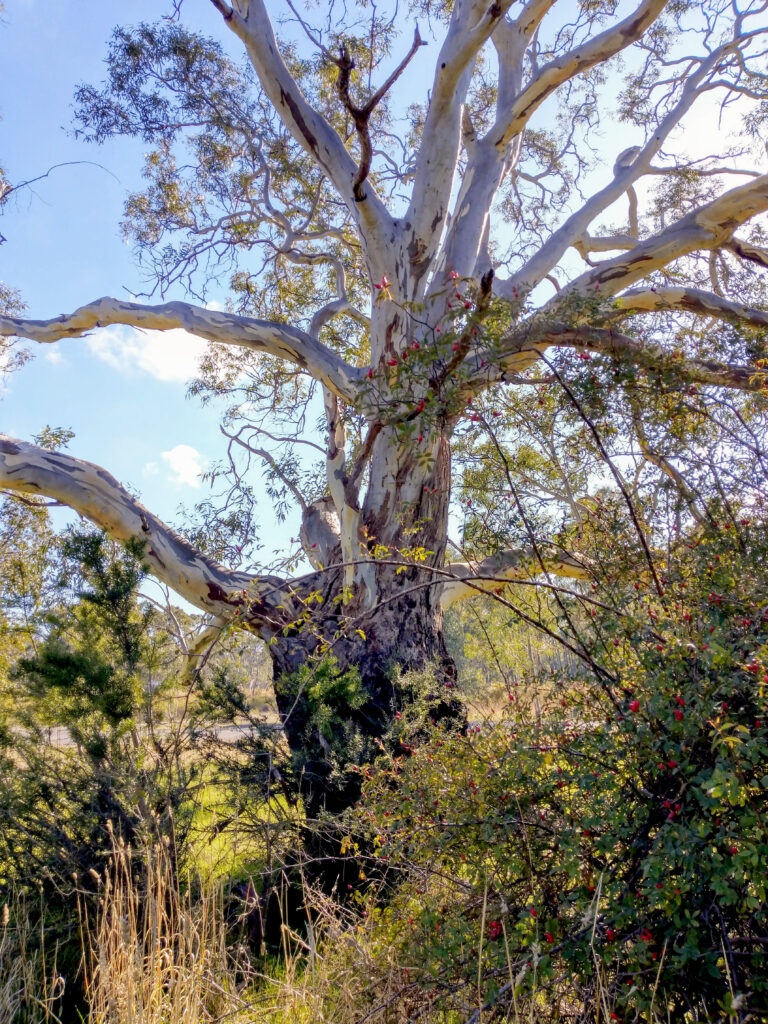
{"points": [[165, 355], [53, 355], [186, 464]]}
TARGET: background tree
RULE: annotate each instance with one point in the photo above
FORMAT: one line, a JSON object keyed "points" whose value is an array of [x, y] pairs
{"points": [[402, 268]]}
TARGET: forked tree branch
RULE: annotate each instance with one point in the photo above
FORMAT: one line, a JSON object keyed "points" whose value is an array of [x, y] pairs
{"points": [[709, 227], [308, 126], [95, 494], [596, 51], [362, 115], [574, 229], [279, 340]]}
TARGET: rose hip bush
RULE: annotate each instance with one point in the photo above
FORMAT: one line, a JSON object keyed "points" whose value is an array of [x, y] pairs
{"points": [[600, 848]]}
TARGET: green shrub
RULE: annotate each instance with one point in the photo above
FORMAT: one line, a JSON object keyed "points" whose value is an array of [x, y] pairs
{"points": [[605, 843]]}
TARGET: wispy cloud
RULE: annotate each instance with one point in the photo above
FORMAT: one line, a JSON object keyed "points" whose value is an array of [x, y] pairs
{"points": [[165, 355], [53, 355], [186, 465]]}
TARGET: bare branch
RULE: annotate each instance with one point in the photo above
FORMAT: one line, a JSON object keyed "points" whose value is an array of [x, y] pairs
{"points": [[709, 227], [745, 251], [307, 125], [271, 462], [279, 340], [362, 115], [659, 460], [95, 494], [508, 566], [626, 173], [582, 58], [688, 300]]}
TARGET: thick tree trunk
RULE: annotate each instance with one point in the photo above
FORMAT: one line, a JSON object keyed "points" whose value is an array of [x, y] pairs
{"points": [[353, 663], [337, 706], [338, 710]]}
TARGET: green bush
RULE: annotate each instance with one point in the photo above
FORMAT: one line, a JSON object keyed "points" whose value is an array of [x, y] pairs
{"points": [[603, 845], [76, 769]]}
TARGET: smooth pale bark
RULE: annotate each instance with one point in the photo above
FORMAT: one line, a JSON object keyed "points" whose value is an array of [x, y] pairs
{"points": [[709, 227], [95, 494], [507, 566], [688, 300], [280, 340], [598, 50], [472, 23]]}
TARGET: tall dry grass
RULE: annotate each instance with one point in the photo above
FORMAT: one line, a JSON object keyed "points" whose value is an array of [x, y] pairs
{"points": [[154, 952], [159, 952], [30, 989]]}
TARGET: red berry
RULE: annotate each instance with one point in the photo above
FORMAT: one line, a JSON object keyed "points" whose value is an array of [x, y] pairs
{"points": [[634, 705]]}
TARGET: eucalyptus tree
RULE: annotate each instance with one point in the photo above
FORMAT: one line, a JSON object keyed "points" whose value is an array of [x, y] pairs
{"points": [[408, 270]]}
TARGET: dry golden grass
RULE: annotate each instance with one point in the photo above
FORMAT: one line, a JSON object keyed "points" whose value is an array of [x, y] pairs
{"points": [[153, 953], [28, 991], [157, 950]]}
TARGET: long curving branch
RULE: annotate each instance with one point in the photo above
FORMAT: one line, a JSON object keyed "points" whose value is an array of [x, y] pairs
{"points": [[525, 346], [687, 300], [583, 57], [506, 567], [280, 340], [711, 226], [91, 491]]}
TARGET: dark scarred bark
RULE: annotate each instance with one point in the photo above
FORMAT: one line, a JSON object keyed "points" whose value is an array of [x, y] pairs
{"points": [[400, 636]]}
